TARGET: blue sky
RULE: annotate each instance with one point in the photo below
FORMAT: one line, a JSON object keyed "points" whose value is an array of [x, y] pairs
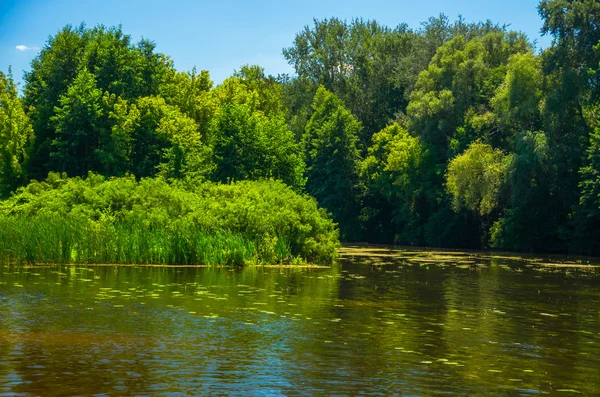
{"points": [[220, 36]]}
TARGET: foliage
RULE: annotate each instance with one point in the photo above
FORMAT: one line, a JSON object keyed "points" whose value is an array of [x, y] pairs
{"points": [[474, 178], [16, 134], [454, 134], [247, 143], [333, 160], [256, 212], [191, 93], [79, 129], [157, 139], [526, 224], [391, 173], [118, 67], [517, 101], [587, 226]]}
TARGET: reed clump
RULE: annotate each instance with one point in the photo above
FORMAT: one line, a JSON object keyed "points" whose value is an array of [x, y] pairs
{"points": [[124, 221]]}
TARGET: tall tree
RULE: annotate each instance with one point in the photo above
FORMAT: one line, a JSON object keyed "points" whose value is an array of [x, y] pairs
{"points": [[450, 108], [392, 173], [585, 238], [119, 67], [191, 93], [79, 124], [333, 160], [572, 68], [251, 139], [157, 139], [356, 61], [16, 134]]}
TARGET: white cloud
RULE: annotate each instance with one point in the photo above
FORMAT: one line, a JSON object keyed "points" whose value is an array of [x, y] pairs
{"points": [[22, 47]]}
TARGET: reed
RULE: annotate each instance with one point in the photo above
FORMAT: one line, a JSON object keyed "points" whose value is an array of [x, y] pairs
{"points": [[125, 221], [74, 239]]}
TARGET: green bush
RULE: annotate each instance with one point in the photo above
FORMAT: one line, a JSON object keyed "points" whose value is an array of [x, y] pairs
{"points": [[120, 220]]}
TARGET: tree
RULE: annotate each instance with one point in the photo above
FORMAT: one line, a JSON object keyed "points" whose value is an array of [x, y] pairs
{"points": [[251, 144], [191, 93], [79, 125], [474, 178], [52, 71], [333, 160], [118, 66], [392, 172], [157, 139], [16, 134], [356, 61], [587, 226], [572, 69], [574, 25], [451, 107], [517, 101], [529, 221], [268, 89]]}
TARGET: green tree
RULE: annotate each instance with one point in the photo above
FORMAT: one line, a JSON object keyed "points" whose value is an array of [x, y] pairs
{"points": [[191, 93], [250, 145], [119, 67], [392, 172], [450, 108], [588, 212], [527, 224], [157, 139], [333, 161], [474, 178], [517, 101], [268, 89], [16, 134], [79, 124], [572, 68], [356, 61]]}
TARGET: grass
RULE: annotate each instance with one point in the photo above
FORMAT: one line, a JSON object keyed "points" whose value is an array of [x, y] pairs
{"points": [[78, 240], [95, 220]]}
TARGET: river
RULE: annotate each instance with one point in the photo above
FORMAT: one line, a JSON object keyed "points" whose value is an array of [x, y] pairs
{"points": [[381, 322]]}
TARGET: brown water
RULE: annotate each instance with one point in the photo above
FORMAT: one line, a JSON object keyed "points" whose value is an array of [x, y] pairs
{"points": [[379, 323]]}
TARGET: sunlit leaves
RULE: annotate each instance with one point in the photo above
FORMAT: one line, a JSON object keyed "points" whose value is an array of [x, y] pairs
{"points": [[474, 178], [517, 101], [16, 134]]}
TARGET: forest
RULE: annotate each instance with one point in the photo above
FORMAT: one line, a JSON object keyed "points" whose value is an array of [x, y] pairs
{"points": [[452, 134]]}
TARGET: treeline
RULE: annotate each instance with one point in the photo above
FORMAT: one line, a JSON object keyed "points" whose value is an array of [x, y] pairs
{"points": [[454, 134]]}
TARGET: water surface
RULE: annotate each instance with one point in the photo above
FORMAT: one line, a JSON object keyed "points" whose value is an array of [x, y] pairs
{"points": [[382, 322]]}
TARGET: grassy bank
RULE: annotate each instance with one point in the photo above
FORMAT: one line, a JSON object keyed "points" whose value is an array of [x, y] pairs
{"points": [[122, 221]]}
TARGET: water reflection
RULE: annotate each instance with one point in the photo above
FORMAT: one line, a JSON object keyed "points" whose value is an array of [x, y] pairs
{"points": [[377, 324]]}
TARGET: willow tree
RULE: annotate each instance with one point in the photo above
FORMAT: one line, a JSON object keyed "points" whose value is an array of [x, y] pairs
{"points": [[450, 108]]}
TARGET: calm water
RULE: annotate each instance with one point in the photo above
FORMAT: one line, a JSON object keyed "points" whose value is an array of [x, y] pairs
{"points": [[379, 323]]}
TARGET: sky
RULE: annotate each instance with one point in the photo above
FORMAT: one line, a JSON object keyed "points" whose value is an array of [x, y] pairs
{"points": [[220, 36]]}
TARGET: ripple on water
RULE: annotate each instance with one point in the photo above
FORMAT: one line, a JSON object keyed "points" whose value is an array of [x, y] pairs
{"points": [[411, 322]]}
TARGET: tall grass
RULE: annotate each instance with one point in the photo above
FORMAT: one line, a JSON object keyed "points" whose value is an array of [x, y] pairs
{"points": [[122, 220], [74, 239]]}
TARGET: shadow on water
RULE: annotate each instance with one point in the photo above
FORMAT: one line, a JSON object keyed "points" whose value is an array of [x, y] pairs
{"points": [[383, 321]]}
